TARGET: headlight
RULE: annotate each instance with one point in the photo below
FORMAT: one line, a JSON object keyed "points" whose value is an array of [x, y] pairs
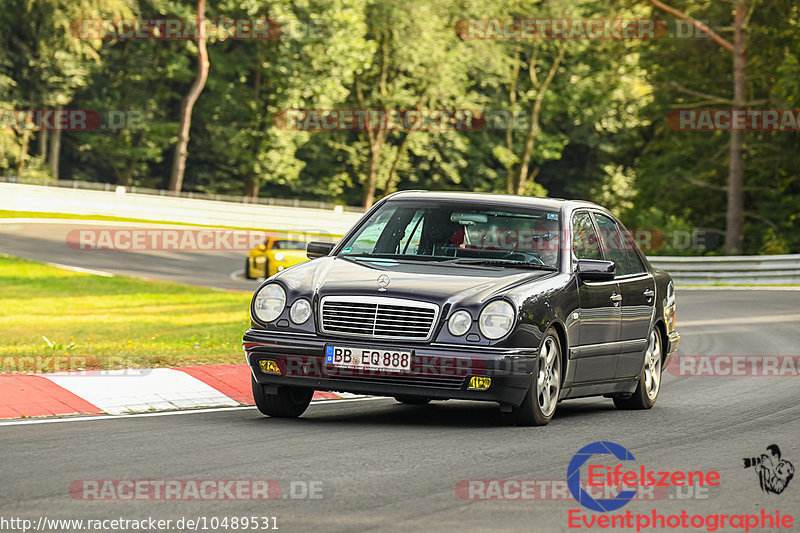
{"points": [[269, 302], [279, 257], [459, 323], [300, 311], [496, 319]]}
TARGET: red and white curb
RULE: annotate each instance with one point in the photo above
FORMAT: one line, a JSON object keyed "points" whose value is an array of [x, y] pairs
{"points": [[118, 392]]}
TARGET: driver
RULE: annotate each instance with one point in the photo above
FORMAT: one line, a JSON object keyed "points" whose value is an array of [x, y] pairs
{"points": [[547, 248]]}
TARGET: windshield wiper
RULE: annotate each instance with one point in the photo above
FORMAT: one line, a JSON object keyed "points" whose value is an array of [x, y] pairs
{"points": [[402, 257], [500, 262]]}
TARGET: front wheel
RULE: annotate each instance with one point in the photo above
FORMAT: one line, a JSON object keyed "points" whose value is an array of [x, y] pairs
{"points": [[649, 380], [247, 269], [288, 402], [539, 404]]}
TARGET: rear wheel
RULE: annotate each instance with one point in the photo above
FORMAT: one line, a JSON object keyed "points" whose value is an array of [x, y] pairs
{"points": [[650, 378], [410, 400], [288, 402], [247, 269], [539, 404]]}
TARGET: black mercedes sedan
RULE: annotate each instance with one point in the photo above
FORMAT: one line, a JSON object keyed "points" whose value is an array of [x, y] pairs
{"points": [[433, 296]]}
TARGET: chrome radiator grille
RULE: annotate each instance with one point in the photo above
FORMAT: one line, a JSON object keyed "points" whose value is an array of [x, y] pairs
{"points": [[378, 318]]}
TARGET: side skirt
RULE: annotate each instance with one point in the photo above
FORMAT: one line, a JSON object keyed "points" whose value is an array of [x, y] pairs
{"points": [[599, 388]]}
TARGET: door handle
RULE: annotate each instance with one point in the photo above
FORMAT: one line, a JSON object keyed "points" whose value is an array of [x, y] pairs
{"points": [[648, 293], [616, 298]]}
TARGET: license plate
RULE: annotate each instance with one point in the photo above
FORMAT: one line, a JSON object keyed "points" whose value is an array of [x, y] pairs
{"points": [[368, 358]]}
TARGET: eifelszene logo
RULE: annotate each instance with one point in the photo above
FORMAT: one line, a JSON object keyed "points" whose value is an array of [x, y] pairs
{"points": [[617, 477], [574, 476], [774, 473], [610, 470]]}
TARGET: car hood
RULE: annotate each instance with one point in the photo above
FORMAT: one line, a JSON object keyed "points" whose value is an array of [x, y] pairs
{"points": [[425, 281]]}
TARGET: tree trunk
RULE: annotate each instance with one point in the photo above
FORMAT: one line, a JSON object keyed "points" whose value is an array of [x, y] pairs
{"points": [[252, 181], [376, 138], [251, 187], [512, 100], [533, 130], [55, 151], [735, 207], [372, 174], [43, 144], [733, 218], [124, 175], [181, 149], [23, 149], [390, 181]]}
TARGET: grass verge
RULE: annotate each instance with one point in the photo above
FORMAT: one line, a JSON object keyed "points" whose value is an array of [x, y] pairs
{"points": [[56, 320]]}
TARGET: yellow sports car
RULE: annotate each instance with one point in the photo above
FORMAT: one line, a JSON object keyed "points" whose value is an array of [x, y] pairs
{"points": [[273, 256]]}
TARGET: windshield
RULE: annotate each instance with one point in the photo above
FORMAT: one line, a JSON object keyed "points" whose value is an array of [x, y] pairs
{"points": [[444, 231], [288, 245]]}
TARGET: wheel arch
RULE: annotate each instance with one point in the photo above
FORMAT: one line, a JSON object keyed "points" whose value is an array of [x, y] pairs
{"points": [[662, 331], [561, 331]]}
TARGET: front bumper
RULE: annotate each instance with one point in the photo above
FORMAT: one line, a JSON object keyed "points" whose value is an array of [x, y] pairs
{"points": [[438, 371], [674, 339]]}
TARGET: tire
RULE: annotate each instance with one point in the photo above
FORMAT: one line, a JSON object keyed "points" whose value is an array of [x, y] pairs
{"points": [[289, 402], [410, 400], [649, 384], [247, 269], [539, 404]]}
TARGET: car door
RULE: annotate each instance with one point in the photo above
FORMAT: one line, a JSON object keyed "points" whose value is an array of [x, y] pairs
{"points": [[637, 287], [595, 355]]}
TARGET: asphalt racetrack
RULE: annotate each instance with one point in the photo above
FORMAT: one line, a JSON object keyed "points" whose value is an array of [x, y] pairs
{"points": [[376, 465], [57, 241]]}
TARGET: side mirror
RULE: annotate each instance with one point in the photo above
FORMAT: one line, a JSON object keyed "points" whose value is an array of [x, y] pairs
{"points": [[262, 247], [318, 249], [594, 270]]}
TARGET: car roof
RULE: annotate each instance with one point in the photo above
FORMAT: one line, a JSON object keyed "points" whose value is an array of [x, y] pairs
{"points": [[522, 201]]}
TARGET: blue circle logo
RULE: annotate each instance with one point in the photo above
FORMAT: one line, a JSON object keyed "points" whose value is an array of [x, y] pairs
{"points": [[574, 476]]}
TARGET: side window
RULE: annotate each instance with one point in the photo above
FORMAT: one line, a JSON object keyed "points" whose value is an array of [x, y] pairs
{"points": [[613, 244], [365, 243], [410, 241], [585, 244], [634, 261]]}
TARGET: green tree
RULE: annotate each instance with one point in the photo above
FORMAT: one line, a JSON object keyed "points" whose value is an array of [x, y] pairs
{"points": [[46, 59]]}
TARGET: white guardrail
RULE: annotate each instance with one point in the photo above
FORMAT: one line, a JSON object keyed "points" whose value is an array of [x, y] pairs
{"points": [[335, 221], [731, 270], [120, 203]]}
